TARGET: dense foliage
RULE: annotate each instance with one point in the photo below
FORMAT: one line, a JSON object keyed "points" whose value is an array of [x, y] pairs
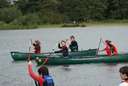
{"points": [[26, 12]]}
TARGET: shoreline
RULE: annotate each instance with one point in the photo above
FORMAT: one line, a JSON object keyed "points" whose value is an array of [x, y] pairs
{"points": [[69, 25]]}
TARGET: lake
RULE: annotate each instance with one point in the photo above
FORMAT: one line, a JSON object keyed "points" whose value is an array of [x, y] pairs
{"points": [[15, 74]]}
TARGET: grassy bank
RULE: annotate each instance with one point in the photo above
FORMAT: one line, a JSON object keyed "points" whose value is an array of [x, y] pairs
{"points": [[107, 22], [86, 24], [4, 26], [16, 26]]}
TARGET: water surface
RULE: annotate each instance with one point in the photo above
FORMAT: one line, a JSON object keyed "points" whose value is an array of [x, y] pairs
{"points": [[15, 74]]}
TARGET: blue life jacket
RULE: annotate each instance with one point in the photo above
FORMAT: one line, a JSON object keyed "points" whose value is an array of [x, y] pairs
{"points": [[48, 81]]}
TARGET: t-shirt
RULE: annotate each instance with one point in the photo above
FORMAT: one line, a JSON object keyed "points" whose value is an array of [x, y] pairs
{"points": [[124, 84]]}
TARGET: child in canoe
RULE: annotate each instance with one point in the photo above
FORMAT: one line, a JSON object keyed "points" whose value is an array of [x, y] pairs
{"points": [[73, 45], [110, 48], [63, 48], [37, 47]]}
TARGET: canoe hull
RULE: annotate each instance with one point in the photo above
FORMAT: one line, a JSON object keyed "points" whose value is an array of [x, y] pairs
{"points": [[20, 56], [99, 59]]}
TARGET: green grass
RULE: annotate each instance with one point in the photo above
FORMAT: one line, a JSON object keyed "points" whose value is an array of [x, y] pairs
{"points": [[4, 26], [14, 26], [107, 22], [49, 26], [89, 23]]}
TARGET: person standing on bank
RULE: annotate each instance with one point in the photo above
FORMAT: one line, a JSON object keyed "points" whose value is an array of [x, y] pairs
{"points": [[74, 45], [37, 47], [124, 75]]}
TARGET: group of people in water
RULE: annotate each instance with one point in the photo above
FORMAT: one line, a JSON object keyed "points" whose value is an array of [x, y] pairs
{"points": [[43, 78]]}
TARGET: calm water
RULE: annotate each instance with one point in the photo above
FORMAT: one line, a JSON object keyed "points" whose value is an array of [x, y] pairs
{"points": [[15, 74]]}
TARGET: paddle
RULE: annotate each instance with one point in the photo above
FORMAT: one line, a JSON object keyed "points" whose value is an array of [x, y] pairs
{"points": [[102, 41], [98, 46], [48, 53], [29, 55], [52, 52], [46, 59]]}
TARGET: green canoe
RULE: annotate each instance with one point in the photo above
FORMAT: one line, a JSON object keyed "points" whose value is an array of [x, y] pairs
{"points": [[78, 60], [18, 56]]}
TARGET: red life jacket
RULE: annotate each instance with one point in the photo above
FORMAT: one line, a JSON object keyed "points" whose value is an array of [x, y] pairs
{"points": [[111, 50], [37, 51], [37, 48]]}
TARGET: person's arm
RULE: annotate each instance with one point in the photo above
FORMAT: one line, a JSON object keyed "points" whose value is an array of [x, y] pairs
{"points": [[34, 75], [59, 45], [101, 50], [59, 51]]}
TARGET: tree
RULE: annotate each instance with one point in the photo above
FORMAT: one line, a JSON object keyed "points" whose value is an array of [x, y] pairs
{"points": [[9, 14], [29, 19], [72, 9], [123, 9], [28, 6], [49, 12], [4, 3], [81, 10]]}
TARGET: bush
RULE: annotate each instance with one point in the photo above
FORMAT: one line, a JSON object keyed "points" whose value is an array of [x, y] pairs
{"points": [[30, 19], [5, 26], [51, 17], [9, 14], [4, 3]]}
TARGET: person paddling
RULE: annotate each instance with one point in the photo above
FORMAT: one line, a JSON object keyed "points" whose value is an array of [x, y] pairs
{"points": [[74, 45], [63, 48], [124, 75], [37, 47], [42, 78], [68, 42], [110, 48]]}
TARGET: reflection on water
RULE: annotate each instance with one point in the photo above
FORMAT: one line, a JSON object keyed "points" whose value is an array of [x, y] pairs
{"points": [[15, 73]]}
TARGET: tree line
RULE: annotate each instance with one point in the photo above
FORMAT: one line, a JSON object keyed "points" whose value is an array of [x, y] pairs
{"points": [[27, 12]]}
